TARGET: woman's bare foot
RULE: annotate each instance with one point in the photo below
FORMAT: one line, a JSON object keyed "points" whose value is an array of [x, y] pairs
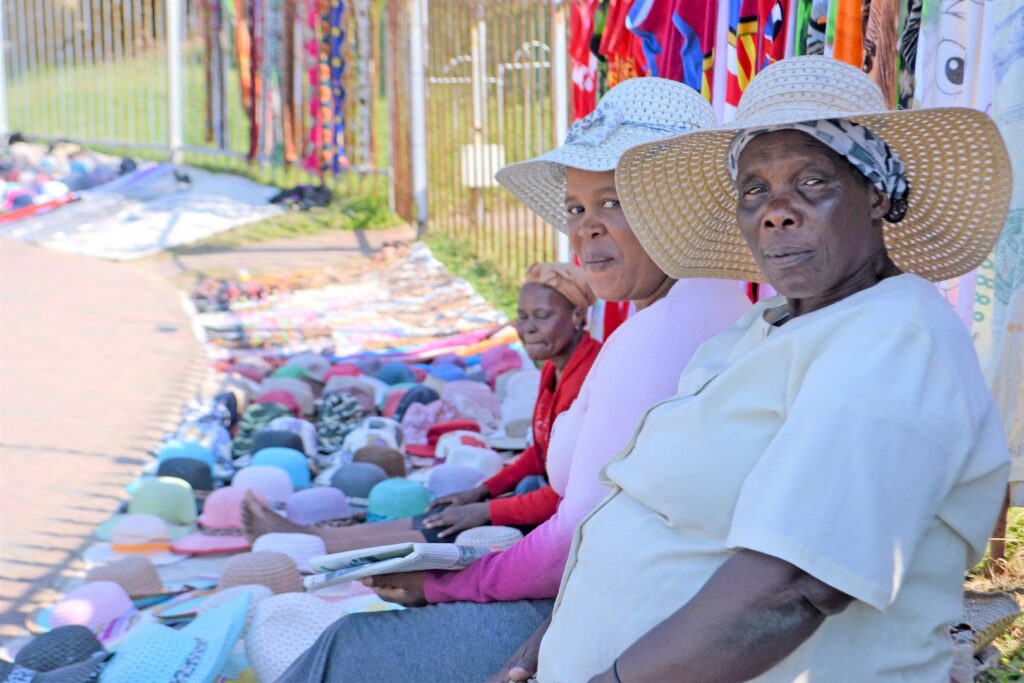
{"points": [[258, 520]]}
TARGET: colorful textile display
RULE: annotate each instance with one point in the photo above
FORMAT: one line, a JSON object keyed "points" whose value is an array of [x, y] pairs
{"points": [[582, 60], [742, 57], [678, 39], [621, 47]]}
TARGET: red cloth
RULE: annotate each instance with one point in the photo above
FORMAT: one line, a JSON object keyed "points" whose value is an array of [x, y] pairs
{"points": [[615, 313], [554, 398], [622, 48], [583, 61]]}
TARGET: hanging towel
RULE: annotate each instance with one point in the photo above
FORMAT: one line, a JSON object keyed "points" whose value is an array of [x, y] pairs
{"points": [[880, 46]]}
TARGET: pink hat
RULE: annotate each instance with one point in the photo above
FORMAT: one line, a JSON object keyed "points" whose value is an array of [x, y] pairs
{"points": [[300, 547], [101, 606], [475, 401], [438, 432], [221, 525], [420, 417], [300, 391], [498, 360], [282, 397], [250, 372], [273, 483], [317, 504], [343, 370]]}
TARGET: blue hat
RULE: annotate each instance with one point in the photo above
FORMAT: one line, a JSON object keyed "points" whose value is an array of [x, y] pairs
{"points": [[449, 372], [395, 372], [357, 479], [177, 448], [397, 499], [195, 654], [288, 459]]}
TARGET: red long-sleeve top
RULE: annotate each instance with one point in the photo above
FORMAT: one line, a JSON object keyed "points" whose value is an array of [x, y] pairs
{"points": [[554, 398]]}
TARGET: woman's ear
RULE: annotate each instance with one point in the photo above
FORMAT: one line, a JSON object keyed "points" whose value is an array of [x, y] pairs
{"points": [[579, 317], [880, 204]]}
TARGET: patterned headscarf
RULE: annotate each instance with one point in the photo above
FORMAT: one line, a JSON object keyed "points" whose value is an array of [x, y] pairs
{"points": [[865, 151], [564, 278]]}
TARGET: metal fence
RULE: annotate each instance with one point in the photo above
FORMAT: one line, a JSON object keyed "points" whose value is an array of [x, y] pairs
{"points": [[438, 94]]}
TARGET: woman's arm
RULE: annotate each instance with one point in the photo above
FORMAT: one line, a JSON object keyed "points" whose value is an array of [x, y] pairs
{"points": [[752, 613]]}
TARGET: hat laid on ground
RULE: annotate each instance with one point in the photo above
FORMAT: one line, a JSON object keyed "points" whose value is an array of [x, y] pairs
{"points": [[339, 414], [342, 370], [484, 460], [195, 654], [416, 394], [447, 372], [177, 448], [497, 537], [101, 606], [394, 398], [282, 398], [209, 432], [420, 417], [60, 648], [455, 439], [300, 391], [445, 480], [220, 525], [356, 480], [255, 418], [135, 536], [314, 365], [397, 499], [395, 372], [635, 111], [354, 386], [316, 505], [436, 432], [303, 428], [169, 498], [250, 372], [475, 401], [283, 627], [195, 473], [269, 437], [450, 359], [274, 570], [389, 459], [293, 371], [230, 403], [369, 435], [136, 575], [256, 593], [273, 483], [953, 160], [498, 360], [300, 547], [288, 459]]}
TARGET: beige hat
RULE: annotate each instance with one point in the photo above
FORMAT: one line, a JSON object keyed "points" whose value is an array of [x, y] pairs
{"points": [[635, 111], [680, 199], [501, 537], [136, 575], [274, 570]]}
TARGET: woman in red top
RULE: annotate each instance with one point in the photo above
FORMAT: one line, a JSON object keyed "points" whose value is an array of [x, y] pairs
{"points": [[553, 306]]}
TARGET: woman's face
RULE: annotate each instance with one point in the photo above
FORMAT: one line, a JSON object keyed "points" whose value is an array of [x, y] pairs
{"points": [[616, 266], [810, 219], [547, 322]]}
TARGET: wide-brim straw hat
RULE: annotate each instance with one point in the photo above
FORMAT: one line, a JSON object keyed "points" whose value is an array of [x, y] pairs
{"points": [[634, 112], [680, 199]]}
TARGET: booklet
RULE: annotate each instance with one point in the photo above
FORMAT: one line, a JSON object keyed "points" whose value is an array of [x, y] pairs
{"points": [[390, 559]]}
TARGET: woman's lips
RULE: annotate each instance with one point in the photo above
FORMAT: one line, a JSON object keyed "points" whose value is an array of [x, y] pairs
{"points": [[598, 263], [788, 258]]}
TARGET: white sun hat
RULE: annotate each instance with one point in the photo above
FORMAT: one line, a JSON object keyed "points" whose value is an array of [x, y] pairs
{"points": [[634, 112], [680, 198]]}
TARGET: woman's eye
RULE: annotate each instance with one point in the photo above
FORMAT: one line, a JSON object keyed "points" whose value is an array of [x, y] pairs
{"points": [[610, 204], [753, 190], [574, 210], [814, 182]]}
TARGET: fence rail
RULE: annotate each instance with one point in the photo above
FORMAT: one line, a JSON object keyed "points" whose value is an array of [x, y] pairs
{"points": [[276, 88]]}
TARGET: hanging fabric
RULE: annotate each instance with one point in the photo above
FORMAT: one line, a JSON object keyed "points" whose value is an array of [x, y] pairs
{"points": [[314, 145], [773, 21], [273, 142], [339, 160], [742, 57], [845, 32], [880, 46], [289, 121], [908, 53], [678, 38], [582, 60], [620, 46], [256, 78]]}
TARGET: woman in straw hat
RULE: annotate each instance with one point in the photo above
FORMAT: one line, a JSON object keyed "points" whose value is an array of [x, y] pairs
{"points": [[572, 187], [807, 504]]}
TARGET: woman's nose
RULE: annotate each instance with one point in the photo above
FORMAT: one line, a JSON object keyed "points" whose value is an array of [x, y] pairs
{"points": [[780, 213]]}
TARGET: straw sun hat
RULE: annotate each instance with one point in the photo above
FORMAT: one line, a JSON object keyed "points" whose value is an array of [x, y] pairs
{"points": [[681, 201], [634, 112]]}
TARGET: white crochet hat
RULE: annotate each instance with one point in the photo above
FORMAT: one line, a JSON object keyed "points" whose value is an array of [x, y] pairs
{"points": [[300, 547], [490, 536], [484, 460], [283, 627]]}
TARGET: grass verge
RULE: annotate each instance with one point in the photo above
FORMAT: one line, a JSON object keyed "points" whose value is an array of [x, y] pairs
{"points": [[1010, 580], [498, 289]]}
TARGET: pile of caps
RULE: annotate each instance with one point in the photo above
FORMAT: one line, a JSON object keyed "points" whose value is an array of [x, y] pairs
{"points": [[175, 586]]}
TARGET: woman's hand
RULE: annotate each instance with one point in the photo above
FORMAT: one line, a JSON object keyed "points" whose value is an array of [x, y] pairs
{"points": [[473, 495], [459, 518], [405, 588], [523, 663]]}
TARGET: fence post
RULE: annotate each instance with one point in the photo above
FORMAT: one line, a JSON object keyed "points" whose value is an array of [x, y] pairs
{"points": [[418, 110], [3, 71], [560, 87], [174, 84]]}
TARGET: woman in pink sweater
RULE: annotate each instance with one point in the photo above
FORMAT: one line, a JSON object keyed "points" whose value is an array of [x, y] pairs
{"points": [[572, 187]]}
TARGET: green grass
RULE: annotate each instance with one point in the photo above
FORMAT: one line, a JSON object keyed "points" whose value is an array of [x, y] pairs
{"points": [[498, 289], [1011, 579]]}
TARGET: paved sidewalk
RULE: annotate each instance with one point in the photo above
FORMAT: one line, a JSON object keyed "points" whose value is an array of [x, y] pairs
{"points": [[96, 359]]}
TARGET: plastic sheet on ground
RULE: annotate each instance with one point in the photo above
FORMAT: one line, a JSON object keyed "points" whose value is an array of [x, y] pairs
{"points": [[147, 211]]}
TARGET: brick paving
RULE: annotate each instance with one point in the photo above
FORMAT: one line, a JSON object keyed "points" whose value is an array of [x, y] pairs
{"points": [[96, 360]]}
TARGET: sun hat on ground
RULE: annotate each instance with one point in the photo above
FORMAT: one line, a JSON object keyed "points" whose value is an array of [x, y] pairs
{"points": [[300, 391], [339, 414], [285, 626], [343, 370], [273, 483], [368, 435], [209, 431], [448, 372], [356, 480], [452, 440], [169, 498], [395, 372], [256, 593], [135, 536], [303, 428], [500, 537], [316, 505], [484, 460], [136, 575], [436, 432], [269, 437], [178, 448], [101, 606], [195, 654], [444, 480], [313, 365], [195, 473], [300, 547], [61, 647], [288, 459], [255, 418], [955, 161], [397, 499], [274, 570], [86, 671], [250, 372], [389, 459], [394, 399], [635, 111], [502, 359], [293, 371], [475, 401], [353, 385], [220, 528], [416, 394], [280, 397]]}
